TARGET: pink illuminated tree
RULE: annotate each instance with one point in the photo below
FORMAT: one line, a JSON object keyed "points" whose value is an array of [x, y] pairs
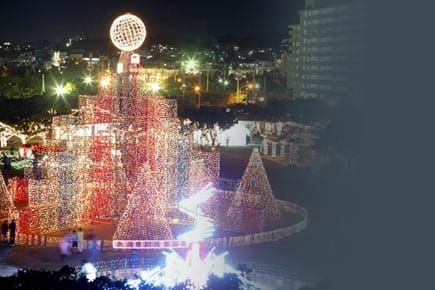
{"points": [[145, 215], [254, 203]]}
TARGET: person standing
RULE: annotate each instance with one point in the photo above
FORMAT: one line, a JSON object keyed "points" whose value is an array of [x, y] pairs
{"points": [[65, 244], [93, 248], [36, 171], [12, 229], [80, 238], [5, 232], [5, 162], [8, 163], [74, 237]]}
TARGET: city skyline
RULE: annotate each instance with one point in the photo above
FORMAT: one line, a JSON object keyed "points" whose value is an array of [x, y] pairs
{"points": [[56, 20]]}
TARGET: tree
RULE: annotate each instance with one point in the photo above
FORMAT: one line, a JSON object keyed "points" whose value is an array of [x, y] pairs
{"points": [[17, 87], [69, 278], [145, 215], [254, 202]]}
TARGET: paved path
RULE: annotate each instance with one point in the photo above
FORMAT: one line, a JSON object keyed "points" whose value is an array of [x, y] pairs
{"points": [[49, 258]]}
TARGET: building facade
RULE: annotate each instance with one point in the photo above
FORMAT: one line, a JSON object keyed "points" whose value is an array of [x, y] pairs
{"points": [[325, 50]]}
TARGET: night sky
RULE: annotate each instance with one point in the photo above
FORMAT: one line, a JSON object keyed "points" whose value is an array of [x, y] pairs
{"points": [[29, 20]]}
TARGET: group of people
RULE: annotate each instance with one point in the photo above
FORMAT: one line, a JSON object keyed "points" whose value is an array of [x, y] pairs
{"points": [[11, 229], [72, 242]]}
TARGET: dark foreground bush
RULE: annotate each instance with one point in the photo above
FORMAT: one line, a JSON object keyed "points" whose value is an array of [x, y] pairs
{"points": [[68, 278]]}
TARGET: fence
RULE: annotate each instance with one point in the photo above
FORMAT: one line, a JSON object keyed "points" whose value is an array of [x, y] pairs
{"points": [[224, 242]]}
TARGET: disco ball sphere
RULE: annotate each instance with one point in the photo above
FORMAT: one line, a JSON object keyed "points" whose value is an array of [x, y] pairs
{"points": [[127, 32]]}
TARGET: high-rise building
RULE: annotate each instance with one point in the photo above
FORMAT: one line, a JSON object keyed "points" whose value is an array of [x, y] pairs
{"points": [[325, 50]]}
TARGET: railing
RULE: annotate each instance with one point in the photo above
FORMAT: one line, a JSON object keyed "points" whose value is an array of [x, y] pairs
{"points": [[224, 242]]}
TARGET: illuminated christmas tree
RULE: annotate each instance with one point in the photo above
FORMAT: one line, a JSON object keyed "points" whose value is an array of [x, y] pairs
{"points": [[6, 202], [145, 215], [254, 203]]}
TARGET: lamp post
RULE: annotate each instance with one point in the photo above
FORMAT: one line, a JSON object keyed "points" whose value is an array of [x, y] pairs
{"points": [[254, 88], [183, 81], [246, 88], [197, 90], [238, 76], [207, 68], [224, 84], [188, 67]]}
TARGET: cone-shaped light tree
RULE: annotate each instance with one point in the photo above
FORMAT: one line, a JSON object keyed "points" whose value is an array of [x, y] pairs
{"points": [[145, 215], [254, 200]]}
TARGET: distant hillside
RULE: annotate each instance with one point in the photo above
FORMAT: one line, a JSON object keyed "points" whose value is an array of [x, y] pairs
{"points": [[104, 45]]}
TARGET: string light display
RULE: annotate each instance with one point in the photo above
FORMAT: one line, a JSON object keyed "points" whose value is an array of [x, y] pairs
{"points": [[184, 158], [17, 186], [123, 156], [56, 196], [145, 215], [211, 165], [204, 226], [254, 203], [193, 269], [91, 165], [6, 202]]}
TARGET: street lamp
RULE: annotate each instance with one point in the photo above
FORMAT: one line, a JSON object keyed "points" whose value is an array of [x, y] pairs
{"points": [[256, 86], [248, 86], [155, 87], [87, 80], [105, 82], [60, 90], [223, 82], [191, 66], [197, 90], [238, 76]]}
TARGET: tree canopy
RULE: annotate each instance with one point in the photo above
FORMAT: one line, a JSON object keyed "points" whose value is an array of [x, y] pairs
{"points": [[209, 116]]}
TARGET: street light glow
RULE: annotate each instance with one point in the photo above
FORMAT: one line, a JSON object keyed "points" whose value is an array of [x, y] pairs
{"points": [[105, 81], [87, 80], [60, 90], [154, 87], [191, 66]]}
